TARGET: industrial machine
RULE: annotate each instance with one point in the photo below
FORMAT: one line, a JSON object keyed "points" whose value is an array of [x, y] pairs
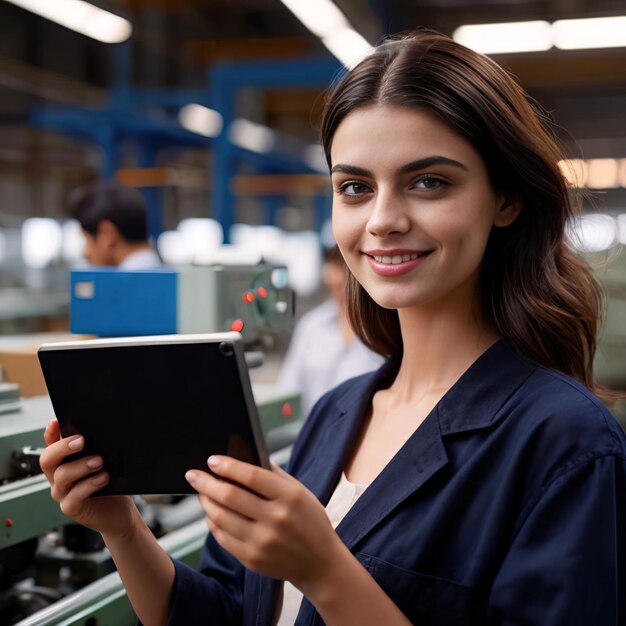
{"points": [[53, 571], [254, 300]]}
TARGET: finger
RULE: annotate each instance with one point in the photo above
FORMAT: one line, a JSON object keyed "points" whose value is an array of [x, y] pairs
{"points": [[67, 474], [73, 505], [54, 454], [236, 547], [264, 482], [229, 521], [226, 494], [52, 432]]}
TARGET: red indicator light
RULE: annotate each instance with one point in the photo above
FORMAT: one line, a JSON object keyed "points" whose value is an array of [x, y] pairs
{"points": [[8, 522], [262, 292], [286, 410], [237, 326], [248, 297]]}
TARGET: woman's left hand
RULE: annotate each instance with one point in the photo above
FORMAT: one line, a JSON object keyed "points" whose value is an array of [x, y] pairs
{"points": [[275, 526]]}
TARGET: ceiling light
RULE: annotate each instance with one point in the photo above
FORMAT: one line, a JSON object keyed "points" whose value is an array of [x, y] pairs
{"points": [[574, 171], [200, 235], [621, 228], [251, 136], [602, 173], [622, 173], [593, 232], [505, 37], [41, 241], [200, 119], [348, 46], [597, 32], [72, 241], [172, 248], [325, 20], [82, 17], [321, 17]]}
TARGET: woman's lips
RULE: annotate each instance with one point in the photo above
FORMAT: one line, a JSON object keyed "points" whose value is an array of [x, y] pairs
{"points": [[395, 263]]}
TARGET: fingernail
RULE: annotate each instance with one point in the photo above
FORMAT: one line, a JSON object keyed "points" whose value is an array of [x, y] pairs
{"points": [[213, 461], [76, 444], [94, 462], [191, 477], [99, 479]]}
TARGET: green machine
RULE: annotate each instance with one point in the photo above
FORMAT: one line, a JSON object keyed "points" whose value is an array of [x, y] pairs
{"points": [[55, 572]]}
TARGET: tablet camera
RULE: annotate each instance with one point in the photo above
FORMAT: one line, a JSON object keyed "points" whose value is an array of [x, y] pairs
{"points": [[226, 348]]}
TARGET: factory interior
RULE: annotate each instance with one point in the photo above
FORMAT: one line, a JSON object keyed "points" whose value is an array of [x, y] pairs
{"points": [[210, 109]]}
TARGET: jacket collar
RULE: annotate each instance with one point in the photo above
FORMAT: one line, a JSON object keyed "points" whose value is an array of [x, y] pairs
{"points": [[473, 402]]}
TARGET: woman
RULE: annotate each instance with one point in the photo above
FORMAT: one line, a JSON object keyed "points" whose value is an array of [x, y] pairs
{"points": [[474, 478]]}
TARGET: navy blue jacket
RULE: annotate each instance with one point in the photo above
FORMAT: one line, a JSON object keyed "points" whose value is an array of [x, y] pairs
{"points": [[507, 506]]}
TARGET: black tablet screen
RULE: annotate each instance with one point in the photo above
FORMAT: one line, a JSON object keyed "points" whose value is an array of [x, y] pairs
{"points": [[151, 411]]}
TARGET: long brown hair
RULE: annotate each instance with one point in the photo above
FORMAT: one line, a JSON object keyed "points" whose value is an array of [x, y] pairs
{"points": [[534, 290]]}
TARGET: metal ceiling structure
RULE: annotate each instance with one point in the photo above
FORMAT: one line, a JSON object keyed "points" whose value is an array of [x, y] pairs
{"points": [[175, 43]]}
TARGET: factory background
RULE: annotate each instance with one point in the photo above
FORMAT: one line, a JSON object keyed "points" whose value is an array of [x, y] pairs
{"points": [[210, 108]]}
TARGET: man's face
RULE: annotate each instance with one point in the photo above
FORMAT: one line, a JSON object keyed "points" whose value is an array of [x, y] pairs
{"points": [[98, 249]]}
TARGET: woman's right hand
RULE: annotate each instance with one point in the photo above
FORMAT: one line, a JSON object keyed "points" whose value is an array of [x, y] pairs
{"points": [[75, 482]]}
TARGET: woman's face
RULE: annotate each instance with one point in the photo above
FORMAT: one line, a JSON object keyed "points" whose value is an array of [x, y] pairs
{"points": [[412, 207]]}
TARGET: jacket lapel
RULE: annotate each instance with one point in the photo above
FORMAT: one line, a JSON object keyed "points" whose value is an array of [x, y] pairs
{"points": [[473, 402], [333, 449], [419, 459], [416, 462]]}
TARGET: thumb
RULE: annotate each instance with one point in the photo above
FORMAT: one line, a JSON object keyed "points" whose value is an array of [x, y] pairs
{"points": [[52, 432]]}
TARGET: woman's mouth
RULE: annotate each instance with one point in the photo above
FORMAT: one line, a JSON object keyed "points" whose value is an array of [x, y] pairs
{"points": [[399, 258], [396, 264]]}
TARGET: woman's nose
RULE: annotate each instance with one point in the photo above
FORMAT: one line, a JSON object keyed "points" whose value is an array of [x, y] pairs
{"points": [[389, 216]]}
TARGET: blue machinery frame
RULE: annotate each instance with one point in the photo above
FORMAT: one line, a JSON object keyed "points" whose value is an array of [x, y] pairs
{"points": [[137, 116]]}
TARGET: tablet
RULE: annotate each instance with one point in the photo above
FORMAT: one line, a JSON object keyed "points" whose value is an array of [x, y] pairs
{"points": [[155, 407]]}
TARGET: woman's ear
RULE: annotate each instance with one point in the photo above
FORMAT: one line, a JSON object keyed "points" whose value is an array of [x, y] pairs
{"points": [[508, 212]]}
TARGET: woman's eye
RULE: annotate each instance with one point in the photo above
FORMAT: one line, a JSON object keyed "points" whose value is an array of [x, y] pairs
{"points": [[352, 188], [430, 183]]}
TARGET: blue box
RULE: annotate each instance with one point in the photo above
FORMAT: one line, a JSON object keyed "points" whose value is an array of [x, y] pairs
{"points": [[108, 302]]}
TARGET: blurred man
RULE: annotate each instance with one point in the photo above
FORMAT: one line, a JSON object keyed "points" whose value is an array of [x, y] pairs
{"points": [[324, 351], [115, 225]]}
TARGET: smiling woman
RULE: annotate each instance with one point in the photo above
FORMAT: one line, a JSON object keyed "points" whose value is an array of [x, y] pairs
{"points": [[413, 201], [475, 478], [469, 98]]}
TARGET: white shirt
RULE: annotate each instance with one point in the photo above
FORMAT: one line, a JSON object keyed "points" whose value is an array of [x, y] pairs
{"points": [[141, 260], [319, 357]]}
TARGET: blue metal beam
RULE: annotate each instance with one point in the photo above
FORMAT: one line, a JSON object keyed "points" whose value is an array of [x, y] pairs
{"points": [[84, 121], [225, 79], [127, 116], [146, 152]]}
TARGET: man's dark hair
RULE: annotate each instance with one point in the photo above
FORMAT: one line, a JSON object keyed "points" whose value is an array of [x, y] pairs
{"points": [[123, 206]]}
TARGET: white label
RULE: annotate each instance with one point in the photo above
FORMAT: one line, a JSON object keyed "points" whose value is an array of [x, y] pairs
{"points": [[85, 290]]}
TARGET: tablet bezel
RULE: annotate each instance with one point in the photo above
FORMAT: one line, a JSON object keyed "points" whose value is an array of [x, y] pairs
{"points": [[233, 339]]}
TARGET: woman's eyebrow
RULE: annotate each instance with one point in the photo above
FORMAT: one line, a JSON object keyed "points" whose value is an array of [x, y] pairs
{"points": [[413, 166], [421, 164], [350, 169]]}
